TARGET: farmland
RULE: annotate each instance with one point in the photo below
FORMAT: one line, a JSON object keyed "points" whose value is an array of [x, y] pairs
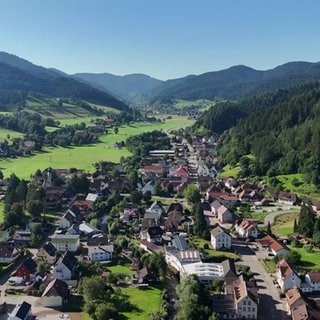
{"points": [[84, 156]]}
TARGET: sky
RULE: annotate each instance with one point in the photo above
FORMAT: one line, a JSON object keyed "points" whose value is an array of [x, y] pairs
{"points": [[165, 39]]}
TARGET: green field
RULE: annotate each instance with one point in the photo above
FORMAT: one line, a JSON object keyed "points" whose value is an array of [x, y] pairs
{"points": [[283, 224], [124, 269], [309, 260], [83, 157], [9, 134], [146, 301], [1, 212]]}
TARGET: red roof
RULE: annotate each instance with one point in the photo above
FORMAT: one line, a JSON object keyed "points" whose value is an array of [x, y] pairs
{"points": [[271, 242]]}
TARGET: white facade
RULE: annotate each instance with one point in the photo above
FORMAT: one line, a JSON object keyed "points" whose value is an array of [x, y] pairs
{"points": [[220, 239], [100, 253], [66, 242], [52, 301], [61, 272], [247, 308]]}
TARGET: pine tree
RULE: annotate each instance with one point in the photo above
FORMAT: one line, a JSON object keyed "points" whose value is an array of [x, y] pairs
{"points": [[269, 231]]}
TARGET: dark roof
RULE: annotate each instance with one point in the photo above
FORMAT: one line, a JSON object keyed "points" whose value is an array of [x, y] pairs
{"points": [[56, 286], [6, 251], [30, 264], [155, 231], [97, 240], [179, 243], [50, 249], [175, 206], [69, 260], [22, 310]]}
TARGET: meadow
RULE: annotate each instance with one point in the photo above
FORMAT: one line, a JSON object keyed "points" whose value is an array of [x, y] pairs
{"points": [[83, 157]]}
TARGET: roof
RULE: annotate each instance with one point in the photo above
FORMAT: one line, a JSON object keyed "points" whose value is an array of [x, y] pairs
{"points": [[314, 276], [179, 243], [189, 255], [50, 249], [56, 287], [217, 231], [285, 268], [274, 244], [30, 265], [6, 251], [69, 260], [21, 310], [155, 231], [229, 269], [293, 296], [100, 249]]}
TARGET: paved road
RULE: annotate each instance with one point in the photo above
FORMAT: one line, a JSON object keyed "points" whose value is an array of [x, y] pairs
{"points": [[270, 305], [270, 217]]}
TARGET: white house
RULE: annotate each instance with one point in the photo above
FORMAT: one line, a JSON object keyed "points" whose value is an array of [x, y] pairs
{"points": [[155, 208], [100, 253], [273, 246], [313, 280], [220, 239], [286, 276], [47, 253], [65, 267], [64, 242], [21, 311], [56, 294], [246, 228]]}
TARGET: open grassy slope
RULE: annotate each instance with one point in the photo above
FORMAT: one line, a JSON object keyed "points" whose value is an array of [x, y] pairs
{"points": [[83, 157]]}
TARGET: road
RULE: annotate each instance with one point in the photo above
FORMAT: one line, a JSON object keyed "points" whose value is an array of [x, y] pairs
{"points": [[270, 217], [270, 304]]}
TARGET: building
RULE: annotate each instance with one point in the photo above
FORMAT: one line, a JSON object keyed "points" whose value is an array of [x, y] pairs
{"points": [[273, 246], [65, 267], [100, 253], [220, 239], [238, 302], [27, 270], [313, 280], [47, 253], [287, 278], [56, 294], [21, 311], [247, 228], [64, 242], [8, 253]]}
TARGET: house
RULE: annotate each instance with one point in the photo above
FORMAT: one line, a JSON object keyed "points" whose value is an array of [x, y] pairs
{"points": [[65, 267], [143, 277], [47, 253], [173, 221], [179, 243], [21, 311], [238, 302], [56, 294], [97, 240], [27, 270], [299, 308], [154, 235], [149, 187], [273, 246], [8, 253], [64, 242], [152, 168], [220, 239], [21, 238], [67, 220], [287, 278], [289, 198], [247, 228], [100, 253], [313, 280], [224, 215], [155, 208]]}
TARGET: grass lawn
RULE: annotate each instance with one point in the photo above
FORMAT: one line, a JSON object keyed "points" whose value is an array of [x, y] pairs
{"points": [[210, 253], [283, 224], [309, 260], [1, 212], [83, 157], [146, 301], [270, 265], [229, 171], [121, 269], [5, 133]]}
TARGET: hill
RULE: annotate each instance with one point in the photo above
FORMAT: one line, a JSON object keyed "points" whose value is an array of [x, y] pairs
{"points": [[132, 87], [19, 77], [281, 137], [235, 83]]}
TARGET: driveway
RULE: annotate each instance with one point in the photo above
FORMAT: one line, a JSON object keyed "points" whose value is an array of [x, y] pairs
{"points": [[270, 304]]}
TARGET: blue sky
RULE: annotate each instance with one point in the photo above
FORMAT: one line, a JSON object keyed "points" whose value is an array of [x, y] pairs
{"points": [[163, 38]]}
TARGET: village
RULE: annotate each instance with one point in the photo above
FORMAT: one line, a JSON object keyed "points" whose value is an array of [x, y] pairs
{"points": [[41, 270]]}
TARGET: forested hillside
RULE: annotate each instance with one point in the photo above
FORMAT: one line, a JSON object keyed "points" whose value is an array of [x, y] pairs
{"points": [[283, 138], [237, 82]]}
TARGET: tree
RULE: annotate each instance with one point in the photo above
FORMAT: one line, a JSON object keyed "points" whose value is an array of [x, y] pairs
{"points": [[269, 231], [36, 234], [35, 208], [192, 194], [136, 196], [316, 238], [293, 257], [306, 221], [200, 224], [116, 130], [105, 311]]}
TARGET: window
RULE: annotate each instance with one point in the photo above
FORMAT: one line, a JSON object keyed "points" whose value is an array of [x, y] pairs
{"points": [[244, 309], [249, 303], [244, 302]]}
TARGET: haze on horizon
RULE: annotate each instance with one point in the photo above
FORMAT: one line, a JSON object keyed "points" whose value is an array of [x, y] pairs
{"points": [[164, 39]]}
